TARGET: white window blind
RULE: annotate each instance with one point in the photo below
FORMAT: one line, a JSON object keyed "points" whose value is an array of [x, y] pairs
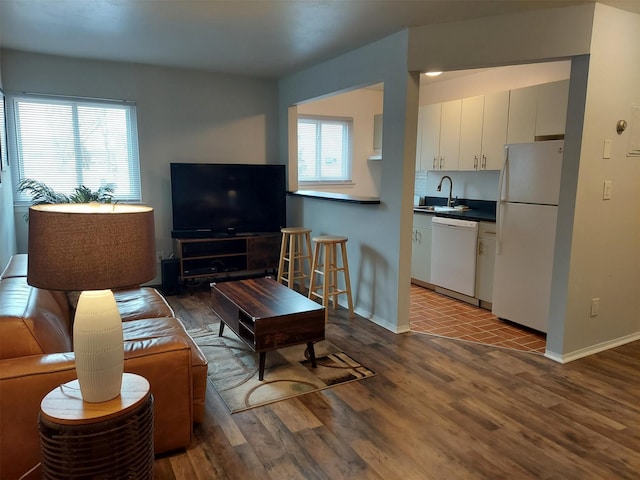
{"points": [[324, 149], [68, 142]]}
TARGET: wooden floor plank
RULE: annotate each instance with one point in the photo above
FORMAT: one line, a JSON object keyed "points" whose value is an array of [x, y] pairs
{"points": [[436, 409]]}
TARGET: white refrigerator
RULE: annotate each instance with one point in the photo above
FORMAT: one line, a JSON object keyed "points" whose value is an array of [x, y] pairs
{"points": [[526, 217]]}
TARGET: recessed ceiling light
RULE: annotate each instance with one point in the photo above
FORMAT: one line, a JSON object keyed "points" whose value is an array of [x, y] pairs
{"points": [[433, 74]]}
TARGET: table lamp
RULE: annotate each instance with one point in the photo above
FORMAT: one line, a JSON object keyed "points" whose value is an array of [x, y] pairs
{"points": [[93, 248]]}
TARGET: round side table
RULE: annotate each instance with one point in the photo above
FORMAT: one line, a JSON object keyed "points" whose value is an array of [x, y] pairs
{"points": [[113, 439]]}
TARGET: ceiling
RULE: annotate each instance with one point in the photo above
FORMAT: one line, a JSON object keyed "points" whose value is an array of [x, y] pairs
{"points": [[266, 38]]}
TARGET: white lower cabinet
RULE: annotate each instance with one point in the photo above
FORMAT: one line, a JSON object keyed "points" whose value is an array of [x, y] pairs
{"points": [[421, 248], [486, 256]]}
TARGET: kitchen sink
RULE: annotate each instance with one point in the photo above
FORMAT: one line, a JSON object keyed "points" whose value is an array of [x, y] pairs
{"points": [[438, 208]]}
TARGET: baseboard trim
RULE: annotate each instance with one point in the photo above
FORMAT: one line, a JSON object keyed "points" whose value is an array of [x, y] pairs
{"points": [[458, 296], [382, 322], [585, 352]]}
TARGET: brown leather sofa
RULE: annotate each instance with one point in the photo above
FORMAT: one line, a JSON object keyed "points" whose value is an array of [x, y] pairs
{"points": [[36, 355]]}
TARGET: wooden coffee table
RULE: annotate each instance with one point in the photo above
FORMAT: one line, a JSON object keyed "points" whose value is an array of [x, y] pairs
{"points": [[267, 316]]}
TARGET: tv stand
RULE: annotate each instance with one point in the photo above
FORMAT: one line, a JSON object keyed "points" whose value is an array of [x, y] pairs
{"points": [[229, 256]]}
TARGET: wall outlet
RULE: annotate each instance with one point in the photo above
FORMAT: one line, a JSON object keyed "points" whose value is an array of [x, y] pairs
{"points": [[595, 307]]}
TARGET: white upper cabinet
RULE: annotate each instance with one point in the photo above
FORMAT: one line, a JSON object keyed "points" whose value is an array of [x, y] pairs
{"points": [[449, 135], [538, 111], [419, 140], [377, 132], [471, 133], [440, 141], [483, 131], [430, 135], [494, 130], [551, 115], [522, 115]]}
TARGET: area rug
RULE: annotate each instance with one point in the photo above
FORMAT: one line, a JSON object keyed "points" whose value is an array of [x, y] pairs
{"points": [[233, 369]]}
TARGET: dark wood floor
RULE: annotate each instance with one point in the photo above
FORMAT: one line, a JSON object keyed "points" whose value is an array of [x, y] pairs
{"points": [[437, 409]]}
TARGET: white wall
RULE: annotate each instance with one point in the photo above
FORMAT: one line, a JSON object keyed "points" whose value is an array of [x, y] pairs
{"points": [[379, 278], [484, 81], [604, 260], [361, 105], [183, 116], [7, 230]]}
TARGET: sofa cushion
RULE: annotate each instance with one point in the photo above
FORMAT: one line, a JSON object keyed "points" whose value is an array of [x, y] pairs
{"points": [[141, 302]]}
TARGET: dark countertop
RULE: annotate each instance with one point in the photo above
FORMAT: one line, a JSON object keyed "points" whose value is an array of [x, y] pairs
{"points": [[336, 197], [474, 215], [479, 210]]}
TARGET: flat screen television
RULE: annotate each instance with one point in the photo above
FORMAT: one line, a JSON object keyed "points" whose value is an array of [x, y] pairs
{"points": [[215, 200]]}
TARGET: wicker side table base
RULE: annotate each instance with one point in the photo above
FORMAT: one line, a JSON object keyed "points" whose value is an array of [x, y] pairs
{"points": [[120, 447]]}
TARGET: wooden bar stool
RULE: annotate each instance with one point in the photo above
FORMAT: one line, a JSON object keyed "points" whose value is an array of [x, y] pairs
{"points": [[295, 249], [325, 264]]}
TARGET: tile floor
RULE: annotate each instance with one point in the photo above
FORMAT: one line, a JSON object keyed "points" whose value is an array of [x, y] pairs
{"points": [[437, 314]]}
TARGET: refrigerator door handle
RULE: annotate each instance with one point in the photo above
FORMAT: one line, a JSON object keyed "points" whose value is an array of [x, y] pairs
{"points": [[501, 200]]}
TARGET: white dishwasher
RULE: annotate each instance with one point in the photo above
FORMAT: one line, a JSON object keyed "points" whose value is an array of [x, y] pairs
{"points": [[453, 254]]}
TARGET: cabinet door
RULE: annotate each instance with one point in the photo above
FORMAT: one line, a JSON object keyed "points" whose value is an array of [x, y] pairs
{"points": [[522, 115], [430, 142], [471, 133], [421, 255], [421, 248], [450, 135], [377, 132], [551, 114], [494, 130], [419, 140], [484, 268]]}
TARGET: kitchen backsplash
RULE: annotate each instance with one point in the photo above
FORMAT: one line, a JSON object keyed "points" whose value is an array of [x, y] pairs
{"points": [[471, 185]]}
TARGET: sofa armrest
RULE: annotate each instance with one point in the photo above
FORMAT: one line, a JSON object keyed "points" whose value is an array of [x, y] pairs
{"points": [[24, 381], [166, 363]]}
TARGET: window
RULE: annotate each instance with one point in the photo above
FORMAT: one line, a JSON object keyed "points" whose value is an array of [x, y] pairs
{"points": [[67, 142], [324, 149]]}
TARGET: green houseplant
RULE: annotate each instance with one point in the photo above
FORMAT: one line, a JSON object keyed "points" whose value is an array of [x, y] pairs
{"points": [[42, 194]]}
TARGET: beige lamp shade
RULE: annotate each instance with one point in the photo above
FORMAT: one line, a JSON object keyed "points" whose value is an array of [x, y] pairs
{"points": [[90, 246]]}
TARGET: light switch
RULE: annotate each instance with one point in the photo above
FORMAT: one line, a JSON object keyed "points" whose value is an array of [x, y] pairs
{"points": [[606, 150], [606, 190]]}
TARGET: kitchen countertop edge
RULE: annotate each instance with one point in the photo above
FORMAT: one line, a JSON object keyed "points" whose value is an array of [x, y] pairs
{"points": [[473, 215]]}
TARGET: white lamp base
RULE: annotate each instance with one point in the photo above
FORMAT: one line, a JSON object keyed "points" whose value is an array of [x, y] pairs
{"points": [[98, 345]]}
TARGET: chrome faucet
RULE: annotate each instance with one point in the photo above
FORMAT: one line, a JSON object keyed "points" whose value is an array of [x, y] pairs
{"points": [[439, 188]]}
